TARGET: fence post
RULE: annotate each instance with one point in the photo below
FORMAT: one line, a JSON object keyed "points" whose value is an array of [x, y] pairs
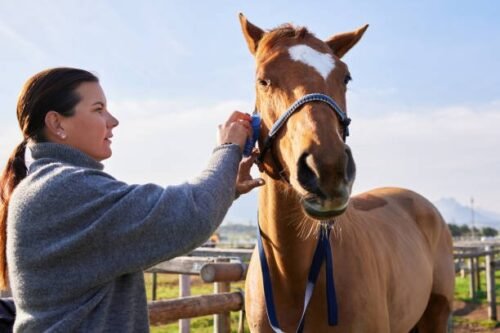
{"points": [[222, 322], [184, 290], [462, 264], [153, 286], [472, 282], [477, 268], [490, 284]]}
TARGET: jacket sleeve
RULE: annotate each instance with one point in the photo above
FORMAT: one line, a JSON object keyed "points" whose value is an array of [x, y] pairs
{"points": [[108, 228]]}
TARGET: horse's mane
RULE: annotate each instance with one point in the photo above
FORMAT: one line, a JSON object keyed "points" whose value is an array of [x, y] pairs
{"points": [[283, 32]]}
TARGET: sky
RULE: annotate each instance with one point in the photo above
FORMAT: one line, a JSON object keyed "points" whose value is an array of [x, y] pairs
{"points": [[424, 100]]}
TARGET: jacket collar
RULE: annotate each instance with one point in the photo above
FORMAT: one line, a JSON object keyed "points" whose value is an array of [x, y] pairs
{"points": [[62, 153]]}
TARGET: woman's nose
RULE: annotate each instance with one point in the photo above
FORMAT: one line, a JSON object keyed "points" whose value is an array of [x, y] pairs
{"points": [[112, 122]]}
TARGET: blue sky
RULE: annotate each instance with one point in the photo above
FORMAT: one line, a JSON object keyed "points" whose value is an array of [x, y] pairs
{"points": [[424, 100]]}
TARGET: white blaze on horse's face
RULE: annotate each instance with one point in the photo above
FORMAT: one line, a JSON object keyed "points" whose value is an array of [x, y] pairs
{"points": [[323, 63]]}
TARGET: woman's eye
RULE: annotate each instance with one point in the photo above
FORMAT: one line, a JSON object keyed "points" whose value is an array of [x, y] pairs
{"points": [[264, 82], [347, 79]]}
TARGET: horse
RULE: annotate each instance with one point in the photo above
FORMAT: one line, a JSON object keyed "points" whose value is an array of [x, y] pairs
{"points": [[392, 251]]}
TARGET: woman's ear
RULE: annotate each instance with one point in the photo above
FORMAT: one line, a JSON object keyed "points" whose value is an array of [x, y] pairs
{"points": [[53, 126]]}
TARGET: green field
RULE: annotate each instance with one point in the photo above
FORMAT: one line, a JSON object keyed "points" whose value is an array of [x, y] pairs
{"points": [[462, 293], [462, 288], [168, 287]]}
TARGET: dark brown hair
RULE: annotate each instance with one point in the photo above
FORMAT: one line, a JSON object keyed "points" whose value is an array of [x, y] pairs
{"points": [[50, 90]]}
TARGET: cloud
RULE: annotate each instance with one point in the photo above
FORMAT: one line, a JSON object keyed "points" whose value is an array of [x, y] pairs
{"points": [[19, 46], [165, 141], [439, 152], [10, 137]]}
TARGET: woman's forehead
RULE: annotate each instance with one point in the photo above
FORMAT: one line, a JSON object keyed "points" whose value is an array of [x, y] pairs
{"points": [[91, 92]]}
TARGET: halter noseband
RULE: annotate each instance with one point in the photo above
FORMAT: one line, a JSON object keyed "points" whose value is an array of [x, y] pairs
{"points": [[314, 97]]}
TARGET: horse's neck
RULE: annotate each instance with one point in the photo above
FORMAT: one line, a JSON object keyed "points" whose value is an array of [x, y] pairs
{"points": [[288, 241]]}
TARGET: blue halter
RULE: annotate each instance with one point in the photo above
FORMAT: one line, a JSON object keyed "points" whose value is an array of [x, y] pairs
{"points": [[314, 97], [323, 252]]}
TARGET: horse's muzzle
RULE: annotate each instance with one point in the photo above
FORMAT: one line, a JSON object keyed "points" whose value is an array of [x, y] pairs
{"points": [[321, 209], [328, 183]]}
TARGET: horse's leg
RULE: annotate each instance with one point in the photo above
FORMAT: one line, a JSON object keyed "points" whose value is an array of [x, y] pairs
{"points": [[435, 317]]}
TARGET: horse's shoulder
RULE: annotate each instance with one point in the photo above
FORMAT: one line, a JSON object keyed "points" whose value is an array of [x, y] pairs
{"points": [[406, 199], [416, 207], [368, 201]]}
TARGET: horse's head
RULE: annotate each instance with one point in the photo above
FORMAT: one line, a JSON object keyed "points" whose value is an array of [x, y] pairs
{"points": [[309, 150]]}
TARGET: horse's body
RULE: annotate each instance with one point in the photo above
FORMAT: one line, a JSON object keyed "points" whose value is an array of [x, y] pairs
{"points": [[393, 262]]}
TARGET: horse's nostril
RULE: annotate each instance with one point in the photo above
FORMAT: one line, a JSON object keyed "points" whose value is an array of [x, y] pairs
{"points": [[350, 166], [307, 177]]}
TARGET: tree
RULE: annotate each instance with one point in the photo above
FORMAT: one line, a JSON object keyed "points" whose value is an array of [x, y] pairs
{"points": [[489, 232], [465, 230], [455, 230]]}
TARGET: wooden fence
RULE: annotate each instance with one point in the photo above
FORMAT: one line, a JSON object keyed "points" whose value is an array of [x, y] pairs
{"points": [[223, 266], [218, 266], [468, 261]]}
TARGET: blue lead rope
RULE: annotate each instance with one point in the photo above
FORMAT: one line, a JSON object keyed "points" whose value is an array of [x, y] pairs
{"points": [[322, 253]]}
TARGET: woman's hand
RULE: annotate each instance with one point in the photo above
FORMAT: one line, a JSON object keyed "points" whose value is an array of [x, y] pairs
{"points": [[236, 129], [244, 181]]}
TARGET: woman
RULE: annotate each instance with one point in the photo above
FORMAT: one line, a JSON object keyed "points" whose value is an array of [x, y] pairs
{"points": [[76, 240]]}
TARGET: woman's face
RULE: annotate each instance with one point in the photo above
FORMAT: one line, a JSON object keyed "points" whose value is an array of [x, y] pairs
{"points": [[90, 128]]}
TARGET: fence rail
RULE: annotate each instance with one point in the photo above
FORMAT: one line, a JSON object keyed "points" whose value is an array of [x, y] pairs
{"points": [[473, 254], [218, 266], [223, 266], [168, 311]]}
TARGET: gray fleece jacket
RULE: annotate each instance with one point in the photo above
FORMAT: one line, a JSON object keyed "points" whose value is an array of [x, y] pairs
{"points": [[78, 239]]}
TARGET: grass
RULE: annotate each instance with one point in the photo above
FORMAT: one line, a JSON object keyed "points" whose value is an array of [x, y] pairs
{"points": [[462, 293], [486, 323], [168, 287], [462, 288]]}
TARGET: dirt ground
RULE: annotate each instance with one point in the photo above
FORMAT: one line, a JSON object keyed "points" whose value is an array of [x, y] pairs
{"points": [[472, 312]]}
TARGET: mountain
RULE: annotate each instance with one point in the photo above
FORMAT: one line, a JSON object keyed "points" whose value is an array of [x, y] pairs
{"points": [[244, 211], [457, 213]]}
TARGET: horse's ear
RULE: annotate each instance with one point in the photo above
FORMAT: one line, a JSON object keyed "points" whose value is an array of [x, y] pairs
{"points": [[342, 43], [252, 33]]}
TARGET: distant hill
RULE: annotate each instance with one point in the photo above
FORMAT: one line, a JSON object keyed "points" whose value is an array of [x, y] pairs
{"points": [[244, 212], [457, 213]]}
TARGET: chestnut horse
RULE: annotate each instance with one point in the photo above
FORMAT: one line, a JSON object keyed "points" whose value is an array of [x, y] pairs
{"points": [[392, 252]]}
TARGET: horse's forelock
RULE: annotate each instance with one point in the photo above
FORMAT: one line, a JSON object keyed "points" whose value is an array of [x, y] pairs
{"points": [[281, 33]]}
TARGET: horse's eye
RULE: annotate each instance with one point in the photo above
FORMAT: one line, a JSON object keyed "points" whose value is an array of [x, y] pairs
{"points": [[264, 82], [347, 79]]}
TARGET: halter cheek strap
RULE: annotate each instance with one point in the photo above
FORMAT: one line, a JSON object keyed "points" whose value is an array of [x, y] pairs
{"points": [[314, 97]]}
